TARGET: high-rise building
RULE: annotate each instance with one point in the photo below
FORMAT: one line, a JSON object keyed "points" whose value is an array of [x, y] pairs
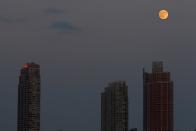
{"points": [[114, 107], [157, 99], [133, 129], [29, 98]]}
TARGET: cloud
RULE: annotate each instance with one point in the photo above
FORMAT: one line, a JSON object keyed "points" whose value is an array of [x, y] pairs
{"points": [[54, 11], [64, 26], [8, 19]]}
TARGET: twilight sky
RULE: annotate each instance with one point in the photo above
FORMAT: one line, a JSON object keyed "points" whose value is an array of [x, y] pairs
{"points": [[82, 45]]}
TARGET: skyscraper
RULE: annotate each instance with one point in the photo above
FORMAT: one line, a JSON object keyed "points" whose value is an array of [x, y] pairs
{"points": [[133, 129], [114, 107], [29, 98], [157, 99]]}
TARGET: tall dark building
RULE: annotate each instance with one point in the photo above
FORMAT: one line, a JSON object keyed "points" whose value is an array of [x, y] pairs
{"points": [[114, 107], [157, 99], [133, 129], [29, 98]]}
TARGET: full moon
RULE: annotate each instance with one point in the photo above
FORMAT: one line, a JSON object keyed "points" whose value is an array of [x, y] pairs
{"points": [[163, 14]]}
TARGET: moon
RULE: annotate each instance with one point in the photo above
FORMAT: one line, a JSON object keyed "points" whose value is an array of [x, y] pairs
{"points": [[163, 14]]}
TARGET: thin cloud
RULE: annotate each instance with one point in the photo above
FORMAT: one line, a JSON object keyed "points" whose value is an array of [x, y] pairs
{"points": [[7, 19], [54, 11], [64, 26]]}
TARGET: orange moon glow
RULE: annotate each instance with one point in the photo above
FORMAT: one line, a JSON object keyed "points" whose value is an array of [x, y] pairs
{"points": [[163, 14]]}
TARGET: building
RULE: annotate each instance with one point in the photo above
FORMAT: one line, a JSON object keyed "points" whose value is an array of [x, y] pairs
{"points": [[133, 129], [114, 107], [157, 99], [29, 98]]}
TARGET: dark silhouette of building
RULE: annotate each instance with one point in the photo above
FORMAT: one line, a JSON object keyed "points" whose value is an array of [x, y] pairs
{"points": [[114, 107], [157, 99], [133, 129], [29, 98]]}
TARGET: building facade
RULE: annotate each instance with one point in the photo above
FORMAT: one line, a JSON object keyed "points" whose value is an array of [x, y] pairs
{"points": [[29, 98], [157, 99], [114, 107]]}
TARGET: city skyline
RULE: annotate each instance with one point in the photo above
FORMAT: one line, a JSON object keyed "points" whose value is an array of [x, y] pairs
{"points": [[157, 95], [83, 45]]}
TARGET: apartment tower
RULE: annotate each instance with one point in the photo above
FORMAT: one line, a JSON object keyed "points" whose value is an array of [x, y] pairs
{"points": [[157, 99], [29, 98], [114, 107]]}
